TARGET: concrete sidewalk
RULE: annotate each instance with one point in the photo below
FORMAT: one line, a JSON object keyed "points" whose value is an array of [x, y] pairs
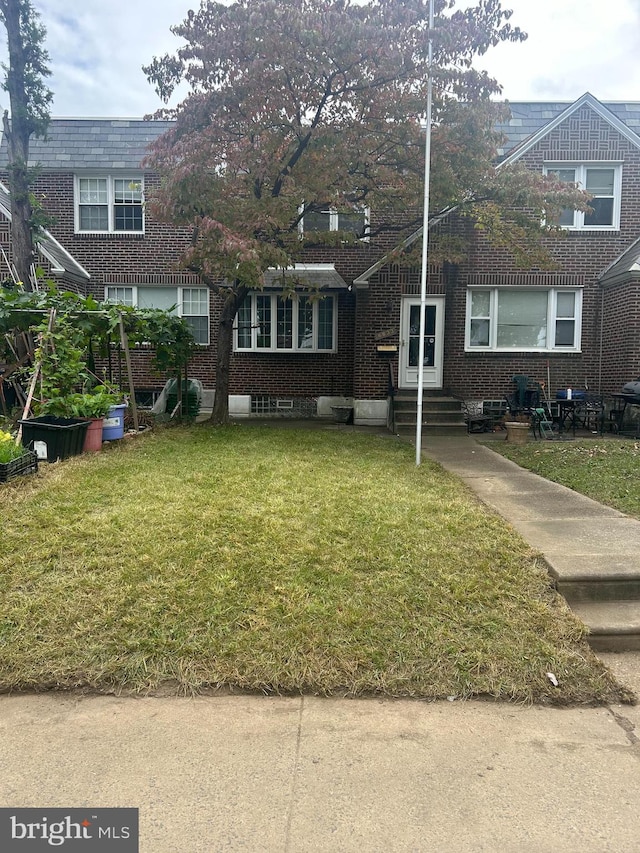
{"points": [[291, 775]]}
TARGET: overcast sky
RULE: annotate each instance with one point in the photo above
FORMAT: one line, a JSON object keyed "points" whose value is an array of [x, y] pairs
{"points": [[97, 49]]}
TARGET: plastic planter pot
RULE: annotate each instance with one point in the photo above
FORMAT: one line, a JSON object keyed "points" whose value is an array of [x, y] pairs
{"points": [[113, 424], [25, 464], [54, 438]]}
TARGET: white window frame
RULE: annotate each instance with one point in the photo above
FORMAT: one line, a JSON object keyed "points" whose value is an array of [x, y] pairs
{"points": [[580, 168], [294, 298], [552, 317], [133, 302], [110, 179], [334, 220]]}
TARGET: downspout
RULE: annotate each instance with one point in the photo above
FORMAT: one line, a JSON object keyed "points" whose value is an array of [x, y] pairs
{"points": [[601, 338]]}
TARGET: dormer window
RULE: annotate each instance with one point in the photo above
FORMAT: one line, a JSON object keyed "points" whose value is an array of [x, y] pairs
{"points": [[600, 180], [329, 219], [109, 204]]}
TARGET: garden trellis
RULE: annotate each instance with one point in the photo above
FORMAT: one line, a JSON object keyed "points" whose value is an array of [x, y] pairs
{"points": [[114, 328]]}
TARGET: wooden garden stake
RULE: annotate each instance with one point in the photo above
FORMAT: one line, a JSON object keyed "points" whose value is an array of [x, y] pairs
{"points": [[127, 357]]}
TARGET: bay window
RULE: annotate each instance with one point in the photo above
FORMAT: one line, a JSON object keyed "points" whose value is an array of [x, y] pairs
{"points": [[523, 319], [278, 322]]}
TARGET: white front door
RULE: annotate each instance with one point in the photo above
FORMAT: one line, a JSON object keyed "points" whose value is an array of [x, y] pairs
{"points": [[410, 342]]}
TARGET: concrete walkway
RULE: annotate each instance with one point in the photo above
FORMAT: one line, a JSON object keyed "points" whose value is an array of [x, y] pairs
{"points": [[291, 775], [593, 551]]}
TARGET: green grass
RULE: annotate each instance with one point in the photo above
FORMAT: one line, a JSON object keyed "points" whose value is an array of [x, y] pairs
{"points": [[277, 560], [607, 470]]}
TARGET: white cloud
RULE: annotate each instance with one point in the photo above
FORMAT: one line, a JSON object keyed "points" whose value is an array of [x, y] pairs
{"points": [[574, 46], [98, 49]]}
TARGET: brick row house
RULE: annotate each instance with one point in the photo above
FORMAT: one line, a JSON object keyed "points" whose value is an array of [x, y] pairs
{"points": [[487, 320]]}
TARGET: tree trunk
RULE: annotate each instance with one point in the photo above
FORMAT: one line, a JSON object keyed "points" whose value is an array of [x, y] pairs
{"points": [[18, 132], [232, 301]]}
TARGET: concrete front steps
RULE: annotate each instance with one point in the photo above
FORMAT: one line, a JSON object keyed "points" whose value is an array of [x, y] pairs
{"points": [[608, 602], [441, 415], [614, 626]]}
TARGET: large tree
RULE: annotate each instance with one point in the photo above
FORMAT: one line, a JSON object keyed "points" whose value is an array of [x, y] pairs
{"points": [[294, 105], [29, 99]]}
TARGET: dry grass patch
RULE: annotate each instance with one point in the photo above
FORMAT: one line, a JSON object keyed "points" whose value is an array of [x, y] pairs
{"points": [[277, 560]]}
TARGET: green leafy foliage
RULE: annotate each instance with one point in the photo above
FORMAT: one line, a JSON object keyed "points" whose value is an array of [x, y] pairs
{"points": [[9, 450], [65, 388], [89, 404]]}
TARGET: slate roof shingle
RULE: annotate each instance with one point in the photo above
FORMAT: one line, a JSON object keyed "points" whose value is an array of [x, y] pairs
{"points": [[78, 142], [527, 117]]}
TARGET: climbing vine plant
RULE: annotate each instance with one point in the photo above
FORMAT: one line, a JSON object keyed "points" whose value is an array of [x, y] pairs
{"points": [[88, 320]]}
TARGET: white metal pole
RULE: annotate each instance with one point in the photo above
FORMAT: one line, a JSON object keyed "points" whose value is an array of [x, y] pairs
{"points": [[425, 242]]}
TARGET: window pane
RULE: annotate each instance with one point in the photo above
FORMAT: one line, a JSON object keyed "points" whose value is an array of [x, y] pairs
{"points": [[567, 217], [566, 304], [164, 298], [480, 303], [195, 301], [120, 295], [602, 212], [305, 323], [94, 218], [285, 324], [244, 324], [566, 175], [318, 221], [352, 222], [93, 191], [325, 323], [522, 319], [127, 190], [127, 217], [264, 321], [565, 333], [479, 333], [200, 328], [600, 181]]}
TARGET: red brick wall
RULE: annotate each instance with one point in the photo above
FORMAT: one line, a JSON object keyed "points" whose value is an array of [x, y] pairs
{"points": [[366, 315], [579, 259], [154, 258]]}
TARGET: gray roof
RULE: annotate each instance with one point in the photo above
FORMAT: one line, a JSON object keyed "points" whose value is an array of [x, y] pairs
{"points": [[529, 117], [625, 266], [113, 143], [320, 276], [80, 143]]}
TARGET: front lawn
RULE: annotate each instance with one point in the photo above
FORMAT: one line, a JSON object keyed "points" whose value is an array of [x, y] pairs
{"points": [[278, 560], [607, 470]]}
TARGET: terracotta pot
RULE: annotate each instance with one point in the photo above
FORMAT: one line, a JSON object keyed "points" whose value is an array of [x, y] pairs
{"points": [[93, 438]]}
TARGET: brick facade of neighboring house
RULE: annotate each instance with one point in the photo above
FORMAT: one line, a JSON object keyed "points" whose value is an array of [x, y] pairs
{"points": [[577, 325]]}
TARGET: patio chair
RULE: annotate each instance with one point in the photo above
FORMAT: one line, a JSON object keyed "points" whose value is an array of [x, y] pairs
{"points": [[542, 423], [525, 397]]}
